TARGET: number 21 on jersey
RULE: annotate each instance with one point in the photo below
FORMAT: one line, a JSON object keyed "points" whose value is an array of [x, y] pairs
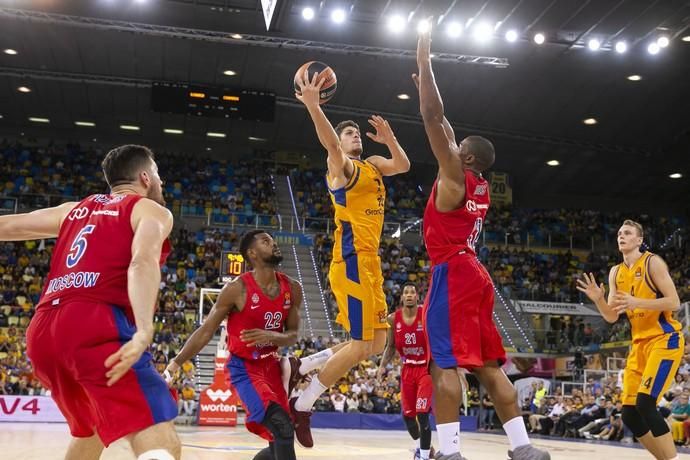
{"points": [[79, 245]]}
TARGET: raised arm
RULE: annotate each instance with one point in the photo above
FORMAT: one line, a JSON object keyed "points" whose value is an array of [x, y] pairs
{"points": [[661, 279], [597, 294], [338, 163], [151, 224], [437, 128], [36, 225], [398, 162]]}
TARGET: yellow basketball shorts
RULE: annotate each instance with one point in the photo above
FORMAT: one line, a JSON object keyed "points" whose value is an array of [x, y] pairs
{"points": [[357, 284], [651, 366]]}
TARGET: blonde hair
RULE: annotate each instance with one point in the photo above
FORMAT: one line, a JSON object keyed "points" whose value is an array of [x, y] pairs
{"points": [[637, 225]]}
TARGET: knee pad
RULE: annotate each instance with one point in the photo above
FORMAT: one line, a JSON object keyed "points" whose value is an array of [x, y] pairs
{"points": [[156, 454], [279, 423], [412, 427], [646, 406], [424, 424], [634, 421]]}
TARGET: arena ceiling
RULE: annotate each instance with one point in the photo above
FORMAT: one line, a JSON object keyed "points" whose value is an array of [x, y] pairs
{"points": [[95, 60]]}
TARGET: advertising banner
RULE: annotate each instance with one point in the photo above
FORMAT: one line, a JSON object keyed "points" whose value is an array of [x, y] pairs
{"points": [[218, 402], [23, 408]]}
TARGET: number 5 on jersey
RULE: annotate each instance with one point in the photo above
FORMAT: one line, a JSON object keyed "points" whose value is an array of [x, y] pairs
{"points": [[79, 245]]}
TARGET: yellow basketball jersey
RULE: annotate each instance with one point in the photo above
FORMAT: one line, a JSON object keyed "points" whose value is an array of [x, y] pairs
{"points": [[637, 281], [359, 208]]}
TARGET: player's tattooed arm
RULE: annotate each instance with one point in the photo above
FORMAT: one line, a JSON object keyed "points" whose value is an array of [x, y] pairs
{"points": [[389, 351]]}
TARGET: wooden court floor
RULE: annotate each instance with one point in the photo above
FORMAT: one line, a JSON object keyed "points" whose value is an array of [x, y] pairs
{"points": [[27, 441]]}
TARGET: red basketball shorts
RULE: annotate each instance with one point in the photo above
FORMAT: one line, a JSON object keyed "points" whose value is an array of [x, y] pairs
{"points": [[258, 383], [68, 345], [459, 315], [416, 390]]}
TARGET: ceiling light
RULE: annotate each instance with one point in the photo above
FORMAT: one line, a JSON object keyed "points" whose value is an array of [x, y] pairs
{"points": [[10, 51], [1, 116], [85, 123], [396, 23], [308, 14], [483, 32], [236, 36], [675, 175], [553, 162], [39, 120], [653, 48], [621, 47], [686, 38], [172, 131], [423, 26], [24, 89], [212, 134], [539, 38], [593, 44], [257, 139], [511, 36], [403, 96], [208, 149], [129, 127], [634, 77], [229, 73], [454, 29], [590, 121], [662, 41], [338, 16]]}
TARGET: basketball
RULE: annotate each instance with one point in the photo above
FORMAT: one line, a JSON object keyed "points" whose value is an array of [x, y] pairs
{"points": [[325, 73]]}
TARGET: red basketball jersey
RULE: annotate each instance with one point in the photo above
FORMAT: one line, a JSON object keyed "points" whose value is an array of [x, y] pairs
{"points": [[259, 312], [93, 252], [448, 233], [410, 340]]}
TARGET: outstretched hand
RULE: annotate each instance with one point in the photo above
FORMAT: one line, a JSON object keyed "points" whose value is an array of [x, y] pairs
{"points": [[424, 44], [309, 91], [384, 132]]}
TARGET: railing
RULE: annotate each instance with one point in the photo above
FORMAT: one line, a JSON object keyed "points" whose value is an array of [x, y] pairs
{"points": [[8, 205], [407, 225]]}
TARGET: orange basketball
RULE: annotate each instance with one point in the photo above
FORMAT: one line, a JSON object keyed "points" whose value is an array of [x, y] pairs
{"points": [[326, 74]]}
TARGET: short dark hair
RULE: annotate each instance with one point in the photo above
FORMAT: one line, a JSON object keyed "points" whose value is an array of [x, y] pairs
{"points": [[340, 127], [408, 283], [483, 151], [121, 164], [247, 240]]}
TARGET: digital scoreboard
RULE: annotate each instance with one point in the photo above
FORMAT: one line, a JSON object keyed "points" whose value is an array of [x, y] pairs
{"points": [[232, 265]]}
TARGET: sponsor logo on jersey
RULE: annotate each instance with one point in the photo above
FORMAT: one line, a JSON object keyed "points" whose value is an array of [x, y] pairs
{"points": [[255, 298], [638, 272], [106, 212], [398, 326], [420, 327], [78, 213], [480, 190], [471, 205], [374, 212], [107, 199], [288, 301]]}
